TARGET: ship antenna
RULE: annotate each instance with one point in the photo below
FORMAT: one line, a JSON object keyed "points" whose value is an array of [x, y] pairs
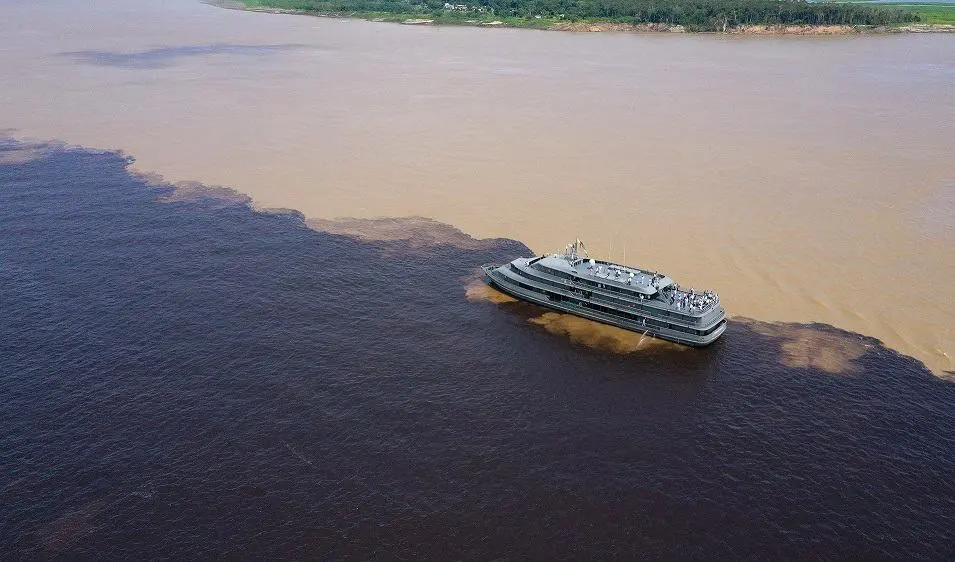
{"points": [[573, 251]]}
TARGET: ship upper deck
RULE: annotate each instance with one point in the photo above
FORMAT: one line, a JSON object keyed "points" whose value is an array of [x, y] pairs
{"points": [[654, 288], [631, 279]]}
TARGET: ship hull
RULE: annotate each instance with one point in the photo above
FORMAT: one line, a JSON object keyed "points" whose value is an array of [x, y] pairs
{"points": [[570, 307]]}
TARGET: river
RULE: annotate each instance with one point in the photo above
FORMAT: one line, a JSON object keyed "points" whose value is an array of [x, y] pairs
{"points": [[805, 179], [185, 376]]}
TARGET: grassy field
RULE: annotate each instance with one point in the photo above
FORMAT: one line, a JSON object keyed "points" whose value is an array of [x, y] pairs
{"points": [[928, 13], [933, 13]]}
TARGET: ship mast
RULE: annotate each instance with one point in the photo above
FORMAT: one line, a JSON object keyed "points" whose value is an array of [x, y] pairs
{"points": [[575, 251]]}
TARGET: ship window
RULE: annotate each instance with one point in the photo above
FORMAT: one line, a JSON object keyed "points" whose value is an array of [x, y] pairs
{"points": [[714, 328]]}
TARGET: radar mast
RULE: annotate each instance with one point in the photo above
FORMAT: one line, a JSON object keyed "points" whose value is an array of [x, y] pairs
{"points": [[575, 251]]}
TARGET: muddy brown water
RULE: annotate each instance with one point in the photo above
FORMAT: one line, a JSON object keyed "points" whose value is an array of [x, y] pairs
{"points": [[804, 179]]}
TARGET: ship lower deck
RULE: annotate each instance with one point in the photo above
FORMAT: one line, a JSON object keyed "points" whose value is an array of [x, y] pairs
{"points": [[581, 308]]}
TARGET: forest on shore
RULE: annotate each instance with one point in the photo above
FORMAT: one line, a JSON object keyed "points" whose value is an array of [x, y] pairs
{"points": [[694, 15]]}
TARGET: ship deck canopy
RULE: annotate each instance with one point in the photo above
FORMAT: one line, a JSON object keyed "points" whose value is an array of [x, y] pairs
{"points": [[631, 278]]}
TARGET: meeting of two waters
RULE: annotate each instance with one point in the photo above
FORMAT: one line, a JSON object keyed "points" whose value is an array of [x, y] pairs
{"points": [[219, 379], [804, 179]]}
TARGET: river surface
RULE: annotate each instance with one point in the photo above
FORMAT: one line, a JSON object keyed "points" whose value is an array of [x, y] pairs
{"points": [[804, 179], [188, 371], [185, 378]]}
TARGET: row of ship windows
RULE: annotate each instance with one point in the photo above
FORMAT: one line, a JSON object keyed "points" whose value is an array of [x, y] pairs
{"points": [[678, 316], [614, 312]]}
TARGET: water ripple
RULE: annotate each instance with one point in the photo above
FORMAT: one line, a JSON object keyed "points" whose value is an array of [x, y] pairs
{"points": [[162, 57]]}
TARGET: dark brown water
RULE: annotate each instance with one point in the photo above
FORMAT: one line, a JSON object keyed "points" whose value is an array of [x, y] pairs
{"points": [[804, 179], [185, 378]]}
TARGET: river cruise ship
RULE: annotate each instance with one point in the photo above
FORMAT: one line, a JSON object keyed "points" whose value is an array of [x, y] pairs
{"points": [[632, 298]]}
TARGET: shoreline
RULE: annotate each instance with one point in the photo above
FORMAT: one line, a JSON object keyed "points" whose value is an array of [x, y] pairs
{"points": [[599, 26]]}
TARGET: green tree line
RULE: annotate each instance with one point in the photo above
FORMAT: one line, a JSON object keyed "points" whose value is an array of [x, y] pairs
{"points": [[700, 15]]}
